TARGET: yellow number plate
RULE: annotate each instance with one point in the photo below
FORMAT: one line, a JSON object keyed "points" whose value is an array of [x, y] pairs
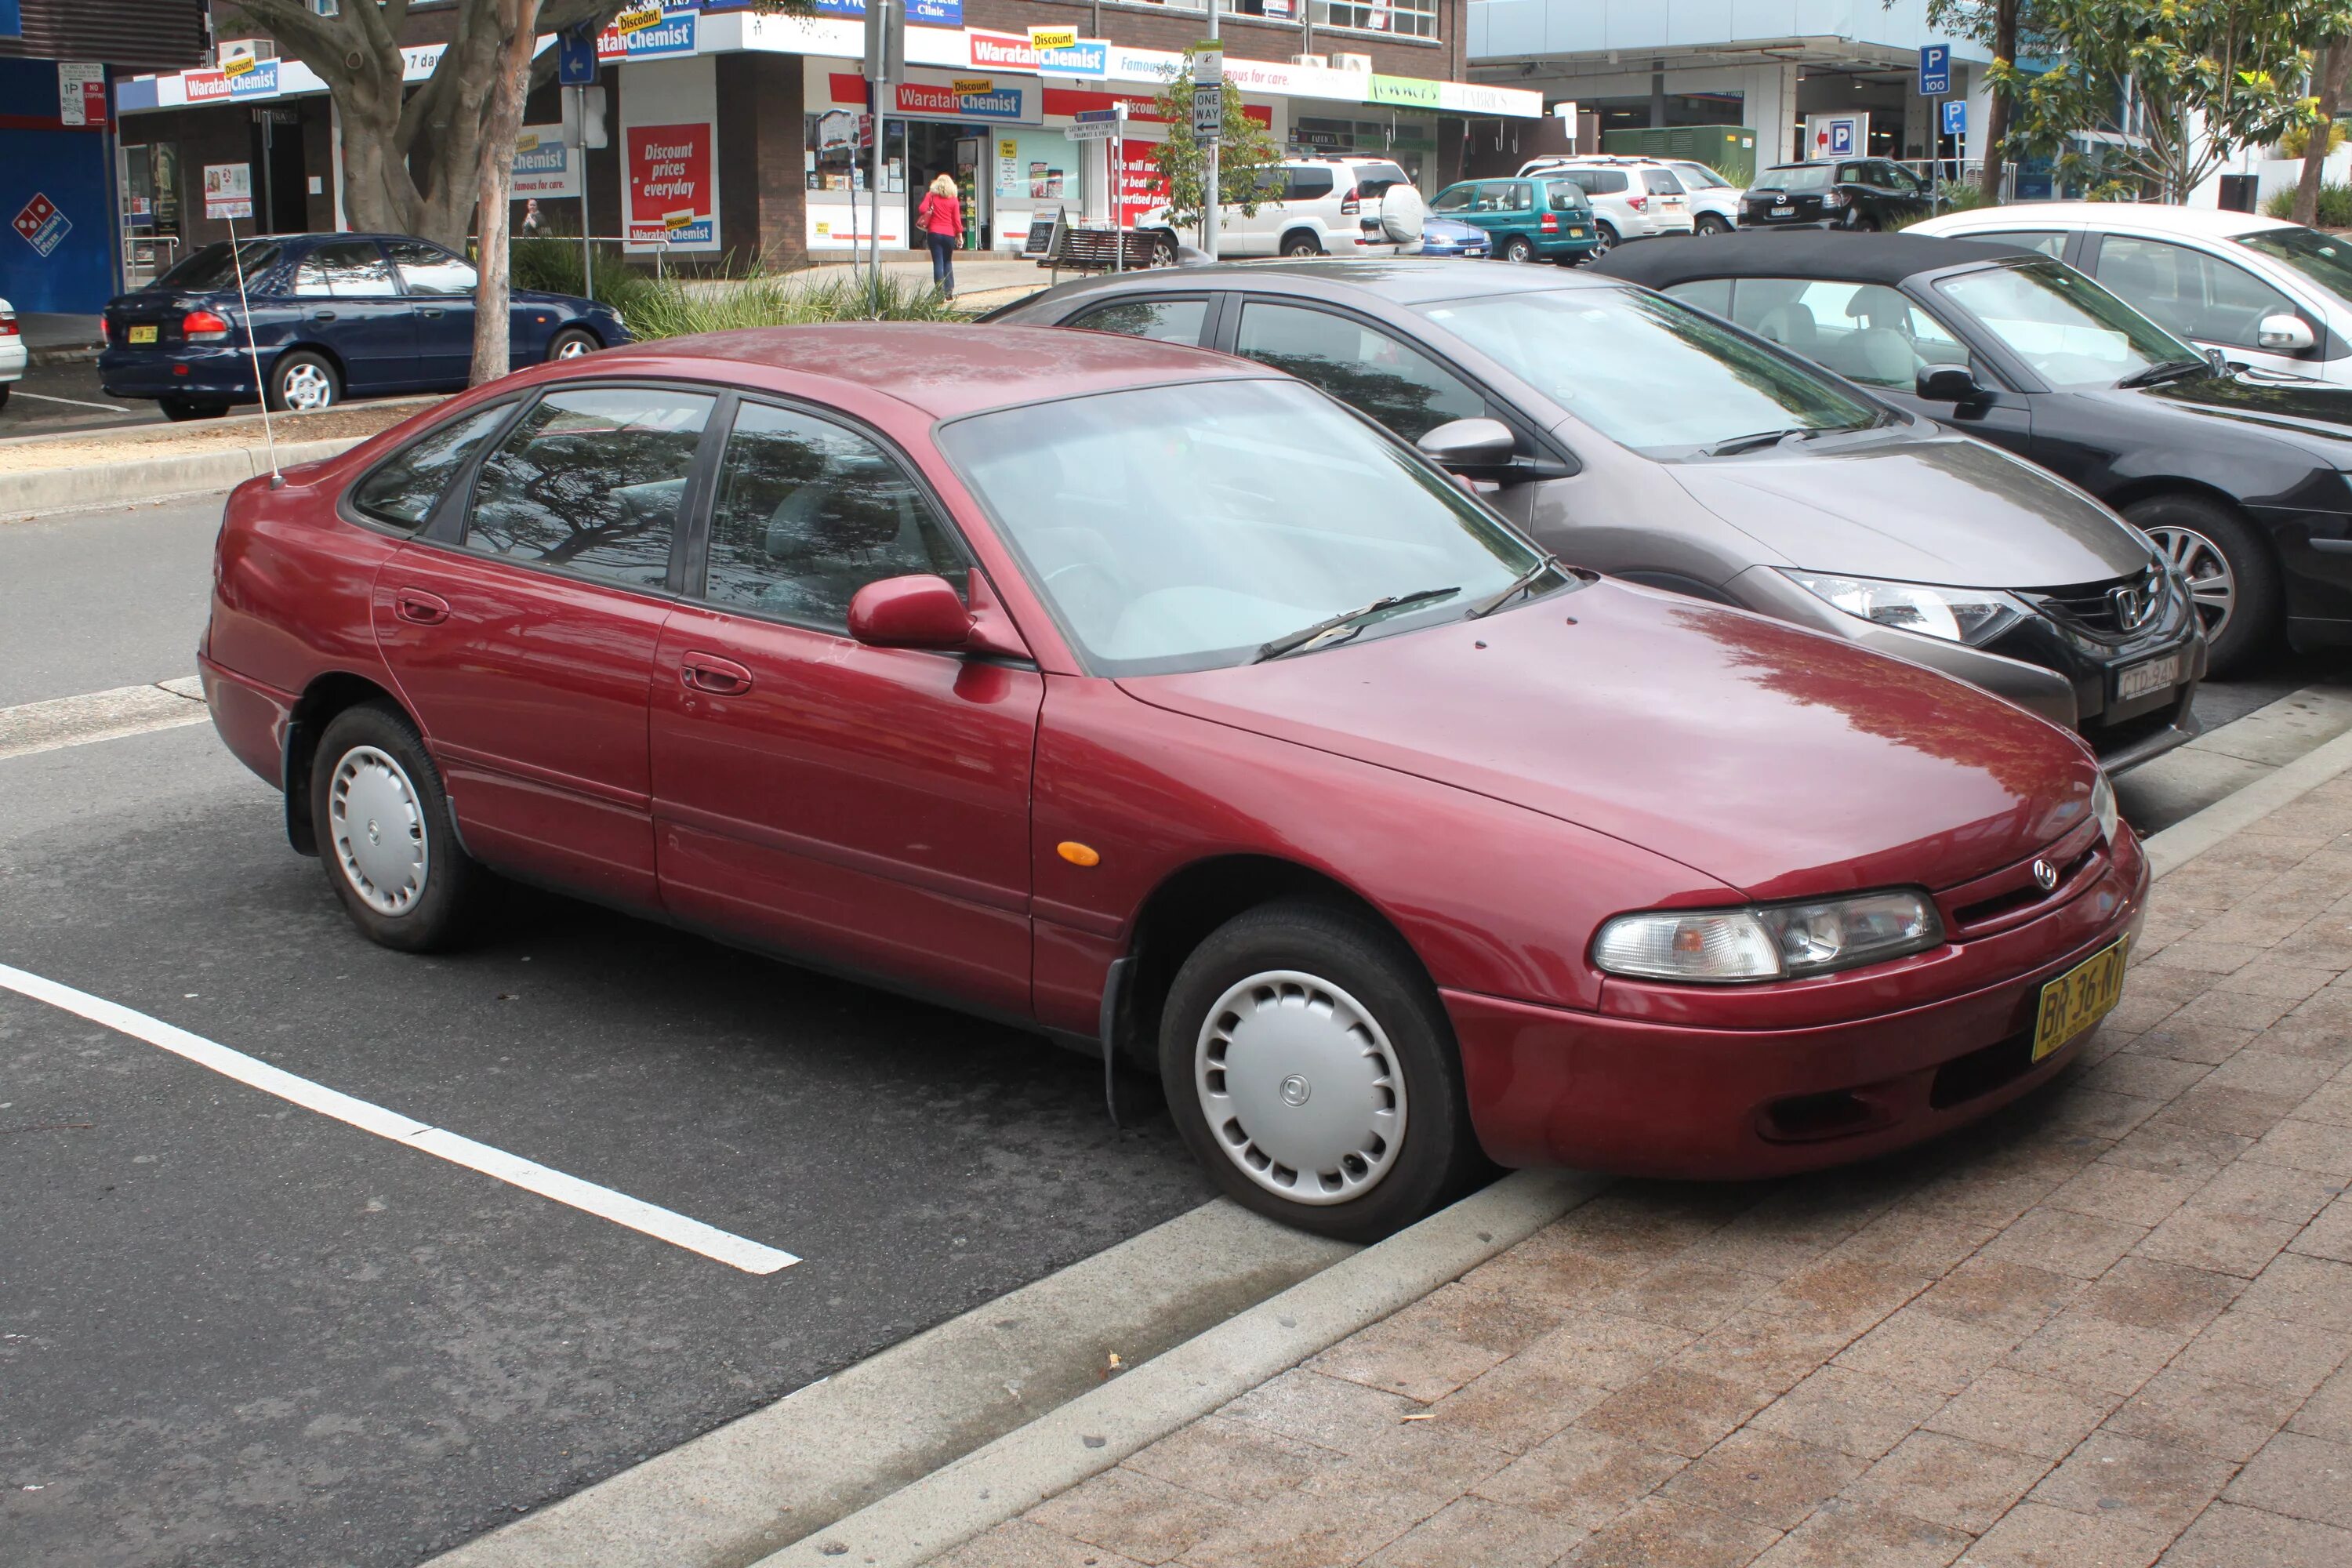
{"points": [[1576, 234], [142, 334], [2078, 999]]}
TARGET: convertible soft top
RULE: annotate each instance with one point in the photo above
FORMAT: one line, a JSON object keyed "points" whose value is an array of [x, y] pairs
{"points": [[1889, 258]]}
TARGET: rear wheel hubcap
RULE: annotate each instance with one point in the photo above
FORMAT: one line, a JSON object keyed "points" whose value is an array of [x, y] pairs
{"points": [[377, 824], [1301, 1088], [306, 386]]}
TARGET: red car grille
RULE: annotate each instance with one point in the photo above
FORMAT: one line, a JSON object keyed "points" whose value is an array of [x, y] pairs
{"points": [[2015, 895]]}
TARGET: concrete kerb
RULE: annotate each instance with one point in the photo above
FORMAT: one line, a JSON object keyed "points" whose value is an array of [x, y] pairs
{"points": [[45, 490], [1095, 1431], [2185, 840]]}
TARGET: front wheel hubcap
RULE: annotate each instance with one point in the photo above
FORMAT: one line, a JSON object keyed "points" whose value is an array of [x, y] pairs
{"points": [[306, 386], [571, 347], [2213, 586], [1301, 1088], [377, 824]]}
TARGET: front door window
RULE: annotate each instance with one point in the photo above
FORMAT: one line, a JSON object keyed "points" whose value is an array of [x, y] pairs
{"points": [[1361, 366]]}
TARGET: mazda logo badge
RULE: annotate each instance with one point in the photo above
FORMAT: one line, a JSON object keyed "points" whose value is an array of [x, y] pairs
{"points": [[2045, 875], [2133, 605]]}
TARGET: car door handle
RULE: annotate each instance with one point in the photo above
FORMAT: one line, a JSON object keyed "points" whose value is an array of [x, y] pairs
{"points": [[428, 311], [419, 607], [322, 315], [709, 672]]}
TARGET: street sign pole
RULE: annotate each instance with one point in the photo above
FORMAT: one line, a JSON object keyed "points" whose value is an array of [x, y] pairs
{"points": [[575, 68], [1117, 169], [1209, 69], [1934, 83], [886, 61]]}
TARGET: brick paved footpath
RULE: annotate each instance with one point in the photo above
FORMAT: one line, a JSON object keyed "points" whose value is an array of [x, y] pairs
{"points": [[2110, 1327]]}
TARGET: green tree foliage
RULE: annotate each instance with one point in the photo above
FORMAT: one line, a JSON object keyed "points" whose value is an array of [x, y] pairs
{"points": [[1249, 160], [2205, 76]]}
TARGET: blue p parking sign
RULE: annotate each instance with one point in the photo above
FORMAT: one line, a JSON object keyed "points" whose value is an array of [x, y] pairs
{"points": [[1956, 116], [1935, 70]]}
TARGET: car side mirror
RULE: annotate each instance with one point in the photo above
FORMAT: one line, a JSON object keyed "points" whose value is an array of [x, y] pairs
{"points": [[921, 611], [2285, 334], [1483, 446], [1946, 384]]}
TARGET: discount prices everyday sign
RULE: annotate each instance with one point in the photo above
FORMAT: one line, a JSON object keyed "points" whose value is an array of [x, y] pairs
{"points": [[671, 192]]}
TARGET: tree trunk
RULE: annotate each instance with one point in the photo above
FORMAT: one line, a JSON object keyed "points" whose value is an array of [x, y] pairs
{"points": [[2004, 48], [2334, 66], [495, 185]]}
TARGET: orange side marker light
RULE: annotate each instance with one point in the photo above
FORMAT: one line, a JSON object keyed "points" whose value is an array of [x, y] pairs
{"points": [[1078, 854]]}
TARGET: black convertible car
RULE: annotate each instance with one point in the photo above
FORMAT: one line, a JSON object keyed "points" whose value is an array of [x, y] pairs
{"points": [[2240, 479]]}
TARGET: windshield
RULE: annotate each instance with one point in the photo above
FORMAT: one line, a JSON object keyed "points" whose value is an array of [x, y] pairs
{"points": [[209, 269], [2071, 330], [1648, 372], [1806, 177], [1282, 511], [2323, 258]]}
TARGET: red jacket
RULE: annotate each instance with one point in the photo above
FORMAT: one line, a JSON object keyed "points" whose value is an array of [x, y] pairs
{"points": [[940, 215]]}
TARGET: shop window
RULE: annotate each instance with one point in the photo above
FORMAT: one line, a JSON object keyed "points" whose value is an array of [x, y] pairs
{"points": [[1414, 18]]}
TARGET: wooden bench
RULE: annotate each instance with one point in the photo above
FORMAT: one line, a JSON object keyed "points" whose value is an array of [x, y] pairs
{"points": [[1097, 249]]}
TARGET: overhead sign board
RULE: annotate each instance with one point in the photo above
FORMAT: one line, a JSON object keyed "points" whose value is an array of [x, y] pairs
{"points": [[1095, 125], [1044, 39], [651, 32], [1935, 70]]}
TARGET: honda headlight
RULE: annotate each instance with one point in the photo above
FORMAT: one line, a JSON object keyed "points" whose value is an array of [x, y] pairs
{"points": [[1970, 615], [1772, 941]]}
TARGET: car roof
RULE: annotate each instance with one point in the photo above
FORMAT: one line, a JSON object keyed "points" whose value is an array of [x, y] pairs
{"points": [[1397, 279], [944, 369], [1889, 258], [2205, 221]]}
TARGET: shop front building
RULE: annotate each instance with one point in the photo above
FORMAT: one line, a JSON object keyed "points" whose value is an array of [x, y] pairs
{"points": [[727, 135]]}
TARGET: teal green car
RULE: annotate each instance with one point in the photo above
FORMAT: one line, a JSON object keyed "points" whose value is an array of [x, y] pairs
{"points": [[1538, 218]]}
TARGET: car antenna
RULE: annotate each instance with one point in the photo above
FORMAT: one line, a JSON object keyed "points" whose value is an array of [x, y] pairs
{"points": [[268, 436]]}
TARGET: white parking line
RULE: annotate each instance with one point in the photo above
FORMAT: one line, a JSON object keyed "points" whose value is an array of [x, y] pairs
{"points": [[77, 402], [63, 722], [528, 1175]]}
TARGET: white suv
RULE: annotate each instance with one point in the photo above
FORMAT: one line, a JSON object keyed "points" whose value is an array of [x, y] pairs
{"points": [[1632, 198], [1714, 200], [1327, 207]]}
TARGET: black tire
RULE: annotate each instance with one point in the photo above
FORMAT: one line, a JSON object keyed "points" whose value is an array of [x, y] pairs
{"points": [[304, 381], [2194, 533], [1861, 223], [1519, 247], [1713, 224], [1163, 249], [179, 409], [1436, 1155], [5, 388], [1604, 240], [435, 914], [572, 343], [1301, 242]]}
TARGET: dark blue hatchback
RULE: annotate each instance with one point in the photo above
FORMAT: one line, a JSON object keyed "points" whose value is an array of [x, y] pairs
{"points": [[332, 315]]}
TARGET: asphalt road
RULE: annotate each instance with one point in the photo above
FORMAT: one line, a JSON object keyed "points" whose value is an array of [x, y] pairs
{"points": [[52, 399], [235, 1331]]}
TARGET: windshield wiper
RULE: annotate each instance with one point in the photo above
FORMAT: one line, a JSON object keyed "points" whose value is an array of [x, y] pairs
{"points": [[1520, 584], [1347, 620], [2164, 370], [1749, 443]]}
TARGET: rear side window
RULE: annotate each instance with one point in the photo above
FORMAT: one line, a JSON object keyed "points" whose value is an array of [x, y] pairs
{"points": [[591, 481], [429, 269], [1710, 294], [1603, 182], [211, 269], [1563, 196], [1374, 179], [1306, 185], [1453, 199], [1163, 321], [403, 492], [348, 269]]}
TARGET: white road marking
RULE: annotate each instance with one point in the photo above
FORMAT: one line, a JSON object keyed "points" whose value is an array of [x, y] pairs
{"points": [[660, 1224], [77, 402], [61, 722]]}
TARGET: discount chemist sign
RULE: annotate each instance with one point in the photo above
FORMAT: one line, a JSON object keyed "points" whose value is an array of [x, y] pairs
{"points": [[670, 194]]}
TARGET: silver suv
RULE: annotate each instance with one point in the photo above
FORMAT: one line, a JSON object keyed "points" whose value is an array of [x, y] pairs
{"points": [[1632, 198]]}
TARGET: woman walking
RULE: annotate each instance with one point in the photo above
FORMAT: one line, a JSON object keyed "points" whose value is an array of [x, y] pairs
{"points": [[941, 218]]}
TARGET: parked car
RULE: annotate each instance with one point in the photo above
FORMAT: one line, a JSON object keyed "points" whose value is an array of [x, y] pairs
{"points": [[13, 357], [1714, 200], [1154, 701], [332, 315], [1537, 218], [2240, 483], [2269, 294], [1852, 192], [1632, 198], [1322, 207], [1444, 236], [1654, 443]]}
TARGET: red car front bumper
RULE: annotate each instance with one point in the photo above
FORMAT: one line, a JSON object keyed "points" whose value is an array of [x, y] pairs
{"points": [[1553, 1087]]}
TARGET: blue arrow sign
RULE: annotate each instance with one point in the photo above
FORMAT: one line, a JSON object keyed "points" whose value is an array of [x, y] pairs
{"points": [[575, 57], [1956, 116], [1935, 70]]}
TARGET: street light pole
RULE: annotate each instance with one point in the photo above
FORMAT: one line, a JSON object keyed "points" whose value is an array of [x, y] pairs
{"points": [[1209, 169]]}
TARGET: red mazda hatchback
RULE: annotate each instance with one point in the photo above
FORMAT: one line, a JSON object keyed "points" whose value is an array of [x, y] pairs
{"points": [[1155, 701]]}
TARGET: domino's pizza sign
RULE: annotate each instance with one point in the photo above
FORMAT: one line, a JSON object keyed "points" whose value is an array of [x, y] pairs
{"points": [[42, 224]]}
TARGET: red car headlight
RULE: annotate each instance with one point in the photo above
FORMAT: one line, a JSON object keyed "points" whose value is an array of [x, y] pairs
{"points": [[1767, 942]]}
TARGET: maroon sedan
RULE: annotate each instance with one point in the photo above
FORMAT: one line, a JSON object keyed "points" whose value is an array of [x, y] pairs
{"points": [[1154, 701]]}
